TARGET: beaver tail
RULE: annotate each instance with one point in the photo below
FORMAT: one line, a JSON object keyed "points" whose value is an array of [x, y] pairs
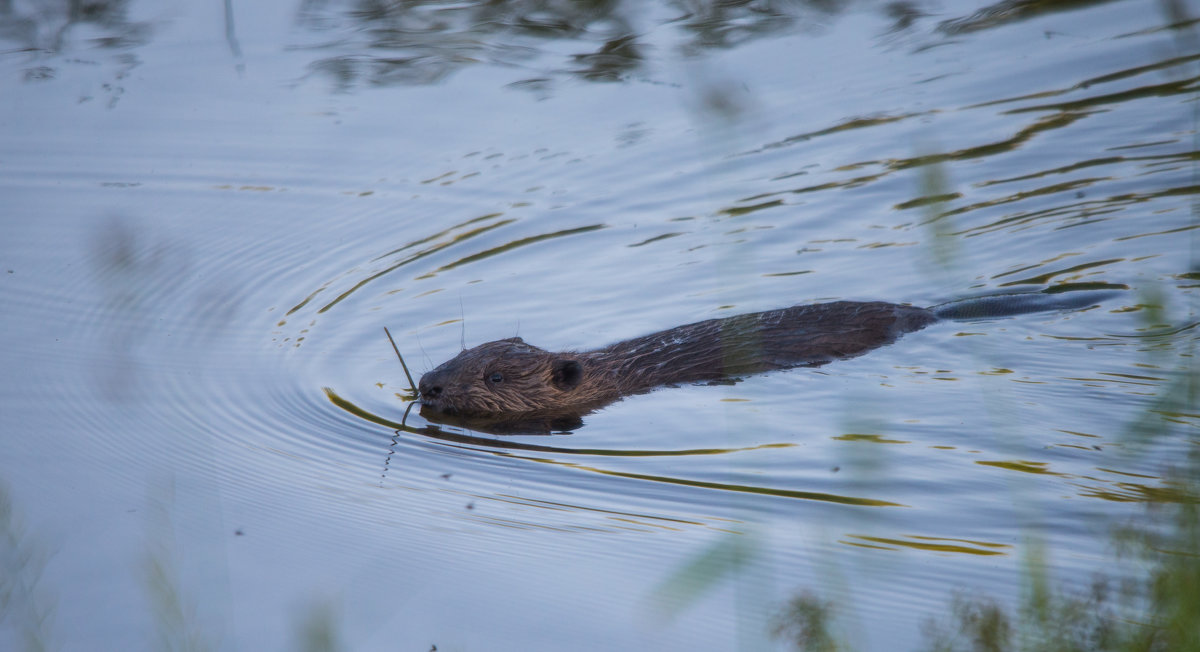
{"points": [[1020, 303]]}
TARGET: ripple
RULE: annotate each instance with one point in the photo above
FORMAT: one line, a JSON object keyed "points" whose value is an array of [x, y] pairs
{"points": [[193, 316]]}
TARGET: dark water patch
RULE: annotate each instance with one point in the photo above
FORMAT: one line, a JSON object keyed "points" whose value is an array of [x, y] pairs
{"points": [[509, 448], [1111, 160], [655, 239], [408, 260], [750, 489], [853, 123], [931, 544], [421, 43], [1006, 12], [1130, 492], [503, 443], [1047, 277], [1165, 89], [1168, 63], [510, 246]]}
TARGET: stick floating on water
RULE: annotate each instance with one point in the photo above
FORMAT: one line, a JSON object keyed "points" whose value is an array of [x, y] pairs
{"points": [[411, 384]]}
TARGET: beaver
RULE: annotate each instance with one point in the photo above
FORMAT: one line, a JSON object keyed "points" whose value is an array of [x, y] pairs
{"points": [[509, 385]]}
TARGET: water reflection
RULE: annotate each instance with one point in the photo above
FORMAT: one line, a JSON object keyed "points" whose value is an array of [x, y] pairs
{"points": [[458, 437], [455, 239], [425, 41], [48, 26], [738, 488], [931, 544], [440, 240], [25, 604], [376, 43], [263, 415], [1009, 11], [131, 269], [43, 31], [508, 448]]}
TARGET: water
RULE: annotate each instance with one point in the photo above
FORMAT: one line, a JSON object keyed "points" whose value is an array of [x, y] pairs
{"points": [[208, 222]]}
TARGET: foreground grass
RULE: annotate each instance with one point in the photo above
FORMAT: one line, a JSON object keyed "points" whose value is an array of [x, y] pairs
{"points": [[1159, 613]]}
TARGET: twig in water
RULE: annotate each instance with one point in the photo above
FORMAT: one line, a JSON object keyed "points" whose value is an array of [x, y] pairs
{"points": [[411, 384]]}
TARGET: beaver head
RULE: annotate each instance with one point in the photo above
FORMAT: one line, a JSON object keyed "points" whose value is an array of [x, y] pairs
{"points": [[502, 377]]}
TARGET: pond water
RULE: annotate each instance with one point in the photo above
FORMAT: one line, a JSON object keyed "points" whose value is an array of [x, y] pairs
{"points": [[210, 213]]}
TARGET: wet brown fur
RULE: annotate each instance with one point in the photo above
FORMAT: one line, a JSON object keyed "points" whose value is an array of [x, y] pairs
{"points": [[509, 378]]}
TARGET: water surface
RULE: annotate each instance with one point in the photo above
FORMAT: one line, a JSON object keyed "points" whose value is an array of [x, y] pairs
{"points": [[209, 218]]}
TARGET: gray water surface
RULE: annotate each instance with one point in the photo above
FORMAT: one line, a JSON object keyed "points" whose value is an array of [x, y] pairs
{"points": [[209, 217]]}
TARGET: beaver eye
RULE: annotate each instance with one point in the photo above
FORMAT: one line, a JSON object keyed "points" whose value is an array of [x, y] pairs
{"points": [[496, 377]]}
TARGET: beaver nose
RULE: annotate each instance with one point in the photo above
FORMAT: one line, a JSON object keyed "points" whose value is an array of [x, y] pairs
{"points": [[429, 390]]}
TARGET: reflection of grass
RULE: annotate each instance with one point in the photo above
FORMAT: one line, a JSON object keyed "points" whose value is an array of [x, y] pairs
{"points": [[725, 557], [1162, 612], [1159, 611], [173, 616], [23, 604], [1150, 605], [27, 610], [806, 621], [319, 630]]}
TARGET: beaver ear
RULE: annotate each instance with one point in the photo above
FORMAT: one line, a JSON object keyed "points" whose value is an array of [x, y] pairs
{"points": [[514, 340], [566, 374]]}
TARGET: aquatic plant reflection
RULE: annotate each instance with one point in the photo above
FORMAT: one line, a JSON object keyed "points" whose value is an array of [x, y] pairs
{"points": [[424, 41]]}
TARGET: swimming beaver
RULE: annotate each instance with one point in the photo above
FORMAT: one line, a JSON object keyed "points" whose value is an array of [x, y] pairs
{"points": [[528, 388]]}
